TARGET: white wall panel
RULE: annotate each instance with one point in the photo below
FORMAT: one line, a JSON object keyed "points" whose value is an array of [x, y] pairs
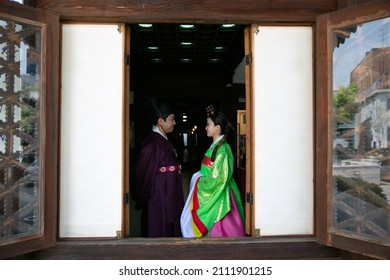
{"points": [[283, 63], [91, 131]]}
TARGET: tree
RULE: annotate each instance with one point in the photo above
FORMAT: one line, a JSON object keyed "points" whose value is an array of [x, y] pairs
{"points": [[344, 101]]}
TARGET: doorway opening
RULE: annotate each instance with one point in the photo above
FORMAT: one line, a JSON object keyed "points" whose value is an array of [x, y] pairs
{"points": [[189, 66]]}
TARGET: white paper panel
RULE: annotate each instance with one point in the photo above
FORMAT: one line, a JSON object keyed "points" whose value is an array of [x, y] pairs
{"points": [[283, 130], [91, 131]]}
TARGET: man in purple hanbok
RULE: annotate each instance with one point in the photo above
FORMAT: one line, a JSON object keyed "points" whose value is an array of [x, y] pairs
{"points": [[158, 187]]}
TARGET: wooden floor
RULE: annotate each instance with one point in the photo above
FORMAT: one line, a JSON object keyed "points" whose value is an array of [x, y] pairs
{"points": [[186, 249]]}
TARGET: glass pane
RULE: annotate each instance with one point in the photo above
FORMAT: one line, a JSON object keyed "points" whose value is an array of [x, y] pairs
{"points": [[361, 131], [20, 94]]}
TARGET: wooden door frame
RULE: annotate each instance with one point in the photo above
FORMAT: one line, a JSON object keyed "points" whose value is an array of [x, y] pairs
{"points": [[250, 139], [132, 13], [126, 135]]}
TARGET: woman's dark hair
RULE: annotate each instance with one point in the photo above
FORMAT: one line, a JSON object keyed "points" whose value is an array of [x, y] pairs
{"points": [[220, 119]]}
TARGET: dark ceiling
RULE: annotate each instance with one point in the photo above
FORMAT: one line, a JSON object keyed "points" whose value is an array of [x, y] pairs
{"points": [[189, 44], [200, 55]]}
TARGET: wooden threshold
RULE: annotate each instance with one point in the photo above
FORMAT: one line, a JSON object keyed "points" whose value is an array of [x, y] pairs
{"points": [[186, 249]]}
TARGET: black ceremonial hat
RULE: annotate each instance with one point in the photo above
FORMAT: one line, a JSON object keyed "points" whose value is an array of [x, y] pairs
{"points": [[158, 109]]}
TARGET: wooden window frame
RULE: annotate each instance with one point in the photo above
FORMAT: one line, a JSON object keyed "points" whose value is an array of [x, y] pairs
{"points": [[49, 119], [323, 139], [322, 105]]}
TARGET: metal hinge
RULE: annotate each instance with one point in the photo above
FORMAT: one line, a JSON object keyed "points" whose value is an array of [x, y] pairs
{"points": [[257, 29], [249, 198], [127, 59], [120, 27], [248, 59], [126, 198]]}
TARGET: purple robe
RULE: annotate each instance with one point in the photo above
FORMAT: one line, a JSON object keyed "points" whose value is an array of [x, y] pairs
{"points": [[159, 194]]}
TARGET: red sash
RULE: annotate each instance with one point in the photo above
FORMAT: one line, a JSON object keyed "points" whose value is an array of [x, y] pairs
{"points": [[207, 161]]}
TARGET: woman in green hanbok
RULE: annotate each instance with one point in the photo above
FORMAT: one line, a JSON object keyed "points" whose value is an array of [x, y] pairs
{"points": [[214, 207]]}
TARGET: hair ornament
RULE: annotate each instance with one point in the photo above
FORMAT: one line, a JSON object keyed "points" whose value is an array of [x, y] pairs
{"points": [[210, 110]]}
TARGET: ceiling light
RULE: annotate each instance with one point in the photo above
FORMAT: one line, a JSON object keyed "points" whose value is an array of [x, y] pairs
{"points": [[157, 60], [186, 44], [185, 60], [153, 48], [145, 25], [228, 25], [187, 26], [214, 60], [218, 48]]}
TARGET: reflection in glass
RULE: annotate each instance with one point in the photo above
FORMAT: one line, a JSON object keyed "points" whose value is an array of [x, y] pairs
{"points": [[20, 88], [361, 127]]}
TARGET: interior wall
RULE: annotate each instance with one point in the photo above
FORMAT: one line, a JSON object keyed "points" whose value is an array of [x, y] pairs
{"points": [[91, 131], [239, 73], [283, 97]]}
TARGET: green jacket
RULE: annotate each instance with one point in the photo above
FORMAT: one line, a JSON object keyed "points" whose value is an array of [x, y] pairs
{"points": [[211, 194]]}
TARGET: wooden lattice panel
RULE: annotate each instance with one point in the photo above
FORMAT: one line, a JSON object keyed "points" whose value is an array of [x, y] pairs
{"points": [[360, 209], [20, 95]]}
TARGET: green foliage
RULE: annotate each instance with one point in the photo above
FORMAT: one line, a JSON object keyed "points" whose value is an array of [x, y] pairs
{"points": [[345, 103], [29, 115]]}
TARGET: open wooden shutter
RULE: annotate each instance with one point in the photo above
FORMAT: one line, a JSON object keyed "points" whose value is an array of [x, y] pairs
{"points": [[29, 63], [352, 192]]}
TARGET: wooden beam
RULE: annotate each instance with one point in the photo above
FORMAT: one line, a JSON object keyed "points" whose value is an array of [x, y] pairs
{"points": [[210, 11]]}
